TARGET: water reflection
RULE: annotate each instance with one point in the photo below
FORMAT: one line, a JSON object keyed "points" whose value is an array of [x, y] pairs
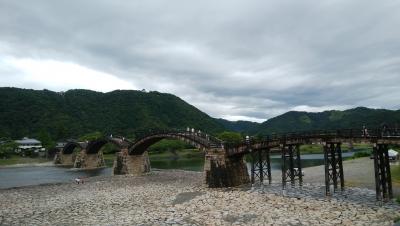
{"points": [[25, 176]]}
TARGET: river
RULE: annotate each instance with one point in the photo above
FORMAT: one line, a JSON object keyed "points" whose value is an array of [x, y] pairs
{"points": [[35, 175]]}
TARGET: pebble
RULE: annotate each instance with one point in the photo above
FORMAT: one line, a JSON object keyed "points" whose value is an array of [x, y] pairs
{"points": [[152, 200]]}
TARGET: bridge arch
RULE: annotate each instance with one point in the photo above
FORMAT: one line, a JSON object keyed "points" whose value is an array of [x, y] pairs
{"points": [[71, 145], [219, 169], [67, 156], [95, 146], [199, 140]]}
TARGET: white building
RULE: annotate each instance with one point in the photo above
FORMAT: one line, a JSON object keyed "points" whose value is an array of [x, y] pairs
{"points": [[29, 144], [393, 155]]}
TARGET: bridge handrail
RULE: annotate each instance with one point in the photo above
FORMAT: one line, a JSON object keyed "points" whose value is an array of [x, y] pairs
{"points": [[376, 133]]}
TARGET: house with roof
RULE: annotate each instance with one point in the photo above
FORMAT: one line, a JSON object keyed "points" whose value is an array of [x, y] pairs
{"points": [[29, 146]]}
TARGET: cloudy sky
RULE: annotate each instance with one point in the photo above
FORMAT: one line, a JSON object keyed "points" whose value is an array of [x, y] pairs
{"points": [[248, 60]]}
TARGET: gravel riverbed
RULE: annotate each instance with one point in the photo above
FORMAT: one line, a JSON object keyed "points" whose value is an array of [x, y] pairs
{"points": [[174, 197]]}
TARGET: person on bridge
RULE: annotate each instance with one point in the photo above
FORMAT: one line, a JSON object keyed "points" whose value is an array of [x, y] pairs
{"points": [[385, 131], [365, 131]]}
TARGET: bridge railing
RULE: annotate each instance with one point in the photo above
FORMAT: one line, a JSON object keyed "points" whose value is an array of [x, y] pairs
{"points": [[211, 141], [122, 138], [359, 133]]}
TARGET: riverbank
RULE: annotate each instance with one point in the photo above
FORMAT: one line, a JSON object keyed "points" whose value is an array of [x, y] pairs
{"points": [[175, 197], [45, 163], [318, 148], [357, 173], [19, 160]]}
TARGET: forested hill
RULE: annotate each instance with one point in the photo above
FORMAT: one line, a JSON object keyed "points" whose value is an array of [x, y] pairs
{"points": [[25, 112], [352, 118], [240, 126], [74, 113]]}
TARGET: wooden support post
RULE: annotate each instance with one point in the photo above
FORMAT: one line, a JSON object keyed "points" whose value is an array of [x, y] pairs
{"points": [[291, 168], [340, 161], [268, 159], [261, 166], [326, 162], [333, 166], [382, 169], [377, 173], [291, 165], [383, 180], [299, 168], [283, 157], [387, 170], [253, 168]]}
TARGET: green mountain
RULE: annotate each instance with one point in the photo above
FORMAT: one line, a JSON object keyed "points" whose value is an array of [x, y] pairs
{"points": [[240, 126], [352, 118], [71, 114], [25, 112]]}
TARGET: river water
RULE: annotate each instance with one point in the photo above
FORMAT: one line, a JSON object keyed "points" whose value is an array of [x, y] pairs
{"points": [[34, 175]]}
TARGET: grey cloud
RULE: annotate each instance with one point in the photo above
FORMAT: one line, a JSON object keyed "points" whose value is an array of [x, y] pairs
{"points": [[250, 59]]}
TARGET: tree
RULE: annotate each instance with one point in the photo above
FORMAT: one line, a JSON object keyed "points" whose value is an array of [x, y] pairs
{"points": [[91, 136], [169, 145], [230, 137], [7, 148], [46, 140]]}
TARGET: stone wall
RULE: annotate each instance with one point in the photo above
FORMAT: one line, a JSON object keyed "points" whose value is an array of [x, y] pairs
{"points": [[222, 171], [131, 164]]}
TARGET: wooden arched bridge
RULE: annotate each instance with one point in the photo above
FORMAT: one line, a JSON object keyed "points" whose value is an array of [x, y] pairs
{"points": [[224, 162]]}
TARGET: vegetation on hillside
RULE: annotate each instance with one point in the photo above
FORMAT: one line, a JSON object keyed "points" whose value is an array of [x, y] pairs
{"points": [[91, 136], [352, 118], [169, 145], [50, 116], [7, 148], [74, 113], [240, 126], [230, 137]]}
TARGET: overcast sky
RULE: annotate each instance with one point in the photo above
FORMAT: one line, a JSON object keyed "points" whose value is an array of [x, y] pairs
{"points": [[249, 60]]}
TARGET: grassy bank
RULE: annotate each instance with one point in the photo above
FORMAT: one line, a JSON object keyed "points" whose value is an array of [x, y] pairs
{"points": [[16, 159], [396, 173], [395, 170], [318, 149]]}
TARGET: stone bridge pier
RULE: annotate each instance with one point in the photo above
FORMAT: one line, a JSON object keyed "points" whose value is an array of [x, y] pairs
{"points": [[131, 164], [64, 159], [223, 171], [89, 160], [219, 170]]}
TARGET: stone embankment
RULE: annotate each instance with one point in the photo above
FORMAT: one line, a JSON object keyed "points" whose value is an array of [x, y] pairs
{"points": [[180, 198]]}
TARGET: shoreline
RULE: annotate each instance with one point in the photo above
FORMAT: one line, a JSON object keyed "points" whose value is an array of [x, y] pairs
{"points": [[358, 172], [48, 163]]}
